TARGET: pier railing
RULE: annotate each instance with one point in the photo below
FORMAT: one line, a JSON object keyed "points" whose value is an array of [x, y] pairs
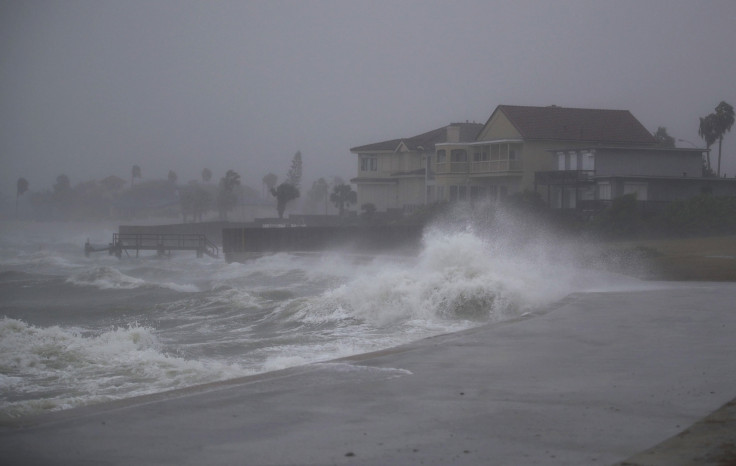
{"points": [[162, 243]]}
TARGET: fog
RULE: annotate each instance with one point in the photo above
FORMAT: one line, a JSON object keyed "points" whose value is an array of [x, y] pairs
{"points": [[90, 88]]}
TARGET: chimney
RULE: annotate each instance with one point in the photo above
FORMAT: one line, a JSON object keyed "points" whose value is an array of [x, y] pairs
{"points": [[453, 133]]}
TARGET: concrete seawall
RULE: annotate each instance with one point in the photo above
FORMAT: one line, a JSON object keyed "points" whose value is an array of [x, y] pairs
{"points": [[212, 230], [242, 243]]}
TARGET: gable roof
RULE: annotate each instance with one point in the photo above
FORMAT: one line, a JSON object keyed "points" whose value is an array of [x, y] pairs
{"points": [[425, 141], [576, 124]]}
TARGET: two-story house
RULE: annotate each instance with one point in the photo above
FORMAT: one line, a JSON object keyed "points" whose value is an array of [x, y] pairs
{"points": [[568, 155], [392, 174], [515, 142]]}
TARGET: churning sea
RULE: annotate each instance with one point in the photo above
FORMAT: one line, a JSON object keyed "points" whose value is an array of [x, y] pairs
{"points": [[78, 330]]}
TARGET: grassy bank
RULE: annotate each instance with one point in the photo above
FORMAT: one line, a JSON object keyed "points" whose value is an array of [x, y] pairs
{"points": [[704, 259]]}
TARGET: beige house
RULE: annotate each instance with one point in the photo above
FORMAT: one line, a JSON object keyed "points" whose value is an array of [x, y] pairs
{"points": [[392, 174], [469, 161], [515, 143]]}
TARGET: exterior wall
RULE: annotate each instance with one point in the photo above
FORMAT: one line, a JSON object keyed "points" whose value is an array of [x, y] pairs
{"points": [[536, 158], [382, 195], [390, 185], [499, 127], [648, 163], [410, 192]]}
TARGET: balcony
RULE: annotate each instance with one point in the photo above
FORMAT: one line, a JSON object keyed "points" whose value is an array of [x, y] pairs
{"points": [[451, 167], [495, 166], [488, 166]]}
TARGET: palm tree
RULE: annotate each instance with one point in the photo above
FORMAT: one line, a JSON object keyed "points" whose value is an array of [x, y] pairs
{"points": [[284, 194], [723, 122], [135, 172], [22, 188], [226, 197], [707, 131]]}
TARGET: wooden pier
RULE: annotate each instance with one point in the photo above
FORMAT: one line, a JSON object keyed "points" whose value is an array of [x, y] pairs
{"points": [[163, 244]]}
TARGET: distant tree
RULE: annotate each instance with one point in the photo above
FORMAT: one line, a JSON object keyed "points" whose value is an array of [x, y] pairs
{"points": [[22, 187], [62, 185], [269, 181], [664, 139], [206, 175], [294, 177], [724, 119], [112, 183], [172, 177], [135, 172], [284, 194], [226, 196], [343, 196], [195, 201], [318, 194], [707, 131]]}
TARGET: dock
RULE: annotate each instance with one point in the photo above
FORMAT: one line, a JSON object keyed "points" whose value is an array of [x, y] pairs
{"points": [[162, 243]]}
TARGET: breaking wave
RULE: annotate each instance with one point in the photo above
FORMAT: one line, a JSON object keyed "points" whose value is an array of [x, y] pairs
{"points": [[57, 368], [108, 278]]}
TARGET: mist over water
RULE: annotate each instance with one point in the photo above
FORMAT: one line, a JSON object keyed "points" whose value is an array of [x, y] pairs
{"points": [[79, 330]]}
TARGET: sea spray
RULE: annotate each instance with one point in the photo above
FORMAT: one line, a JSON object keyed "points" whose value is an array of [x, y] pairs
{"points": [[103, 328]]}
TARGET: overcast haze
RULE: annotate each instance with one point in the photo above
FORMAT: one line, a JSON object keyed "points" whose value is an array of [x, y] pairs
{"points": [[89, 88]]}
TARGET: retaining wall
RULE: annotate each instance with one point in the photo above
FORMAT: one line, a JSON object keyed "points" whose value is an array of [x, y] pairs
{"points": [[242, 243]]}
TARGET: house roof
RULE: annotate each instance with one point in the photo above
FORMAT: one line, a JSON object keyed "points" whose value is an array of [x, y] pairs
{"points": [[576, 124], [426, 141]]}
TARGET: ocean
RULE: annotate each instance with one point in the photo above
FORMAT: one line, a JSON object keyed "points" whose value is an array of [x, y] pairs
{"points": [[78, 330]]}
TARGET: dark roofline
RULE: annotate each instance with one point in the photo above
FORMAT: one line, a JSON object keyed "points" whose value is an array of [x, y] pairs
{"points": [[425, 141], [633, 131]]}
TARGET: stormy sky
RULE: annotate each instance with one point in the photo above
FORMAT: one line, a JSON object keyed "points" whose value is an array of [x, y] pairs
{"points": [[90, 87]]}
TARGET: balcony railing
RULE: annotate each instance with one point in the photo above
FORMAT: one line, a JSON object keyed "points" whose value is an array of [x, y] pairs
{"points": [[451, 167], [490, 166]]}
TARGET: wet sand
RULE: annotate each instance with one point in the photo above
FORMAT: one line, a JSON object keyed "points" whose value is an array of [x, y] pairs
{"points": [[596, 379]]}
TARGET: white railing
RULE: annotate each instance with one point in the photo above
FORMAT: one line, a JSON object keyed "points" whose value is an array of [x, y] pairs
{"points": [[490, 166]]}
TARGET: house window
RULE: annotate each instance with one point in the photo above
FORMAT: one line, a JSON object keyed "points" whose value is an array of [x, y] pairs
{"points": [[588, 161], [458, 155], [640, 189], [604, 191], [572, 160], [453, 193], [369, 164], [561, 161], [441, 156]]}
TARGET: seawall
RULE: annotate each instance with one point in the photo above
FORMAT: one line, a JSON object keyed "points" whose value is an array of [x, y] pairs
{"points": [[212, 230], [240, 244]]}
